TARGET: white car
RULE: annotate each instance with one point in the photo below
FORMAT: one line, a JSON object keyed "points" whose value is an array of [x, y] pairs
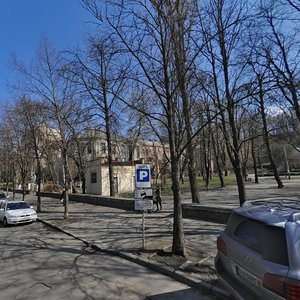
{"points": [[16, 212]]}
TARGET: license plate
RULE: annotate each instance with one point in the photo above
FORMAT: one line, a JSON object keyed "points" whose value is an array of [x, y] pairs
{"points": [[240, 272]]}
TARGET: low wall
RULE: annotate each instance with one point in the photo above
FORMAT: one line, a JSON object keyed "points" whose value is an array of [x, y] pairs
{"points": [[122, 203], [206, 213], [189, 211], [18, 191]]}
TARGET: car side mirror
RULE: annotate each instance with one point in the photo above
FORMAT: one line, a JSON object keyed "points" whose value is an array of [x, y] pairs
{"points": [[31, 207], [7, 197]]}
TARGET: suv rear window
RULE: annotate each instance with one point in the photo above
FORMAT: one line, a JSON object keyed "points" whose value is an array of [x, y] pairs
{"points": [[269, 241]]}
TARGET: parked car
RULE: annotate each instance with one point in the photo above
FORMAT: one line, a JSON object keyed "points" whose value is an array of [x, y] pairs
{"points": [[259, 251], [3, 195], [16, 212]]}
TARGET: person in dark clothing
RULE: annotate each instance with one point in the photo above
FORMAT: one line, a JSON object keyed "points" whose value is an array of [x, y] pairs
{"points": [[158, 199], [62, 200]]}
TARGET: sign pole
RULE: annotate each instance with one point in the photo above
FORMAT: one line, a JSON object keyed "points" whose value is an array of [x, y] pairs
{"points": [[143, 193], [143, 228]]}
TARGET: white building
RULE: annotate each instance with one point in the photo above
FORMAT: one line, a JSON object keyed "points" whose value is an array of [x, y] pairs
{"points": [[97, 177], [126, 154]]}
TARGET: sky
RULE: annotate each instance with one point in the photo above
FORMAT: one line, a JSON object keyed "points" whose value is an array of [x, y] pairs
{"points": [[23, 23]]}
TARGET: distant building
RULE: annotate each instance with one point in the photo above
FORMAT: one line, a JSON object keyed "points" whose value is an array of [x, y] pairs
{"points": [[97, 177], [126, 154]]}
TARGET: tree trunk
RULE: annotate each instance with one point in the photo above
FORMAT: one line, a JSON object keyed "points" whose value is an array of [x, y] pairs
{"points": [[83, 183], [217, 158], [14, 184], [241, 184], [66, 184], [23, 188], [273, 166], [266, 133], [231, 134], [39, 176], [254, 161], [180, 61], [178, 246], [110, 165], [112, 186]]}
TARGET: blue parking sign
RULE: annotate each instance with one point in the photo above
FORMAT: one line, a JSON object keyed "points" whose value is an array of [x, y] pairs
{"points": [[143, 176]]}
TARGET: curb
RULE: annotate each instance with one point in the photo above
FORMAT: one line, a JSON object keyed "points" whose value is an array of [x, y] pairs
{"points": [[177, 275]]}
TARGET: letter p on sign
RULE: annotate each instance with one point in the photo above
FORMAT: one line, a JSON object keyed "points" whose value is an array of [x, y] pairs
{"points": [[143, 177]]}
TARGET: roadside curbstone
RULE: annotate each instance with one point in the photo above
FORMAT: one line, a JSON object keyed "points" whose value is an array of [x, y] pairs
{"points": [[177, 275]]}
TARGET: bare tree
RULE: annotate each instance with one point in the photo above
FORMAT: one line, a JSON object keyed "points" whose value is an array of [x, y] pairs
{"points": [[78, 156], [43, 81], [144, 30], [8, 157], [31, 115], [182, 19], [261, 101], [280, 50], [21, 138], [217, 144], [294, 4], [223, 25], [101, 74]]}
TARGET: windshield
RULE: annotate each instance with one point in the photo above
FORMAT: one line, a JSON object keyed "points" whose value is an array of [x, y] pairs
{"points": [[17, 205]]}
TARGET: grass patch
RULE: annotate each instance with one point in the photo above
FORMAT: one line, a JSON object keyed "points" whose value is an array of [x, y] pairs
{"points": [[214, 183]]}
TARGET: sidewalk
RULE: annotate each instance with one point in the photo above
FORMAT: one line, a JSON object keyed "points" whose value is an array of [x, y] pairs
{"points": [[119, 232]]}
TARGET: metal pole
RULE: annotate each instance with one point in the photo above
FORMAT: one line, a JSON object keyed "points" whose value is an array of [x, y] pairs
{"points": [[286, 164], [143, 228]]}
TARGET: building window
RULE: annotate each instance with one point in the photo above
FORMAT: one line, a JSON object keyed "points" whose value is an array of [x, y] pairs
{"points": [[93, 177], [116, 183], [89, 148], [103, 147], [138, 152], [124, 153]]}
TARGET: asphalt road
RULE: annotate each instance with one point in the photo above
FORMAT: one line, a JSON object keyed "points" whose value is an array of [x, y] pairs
{"points": [[40, 263]]}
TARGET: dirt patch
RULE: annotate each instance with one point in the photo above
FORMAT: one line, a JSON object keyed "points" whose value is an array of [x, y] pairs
{"points": [[60, 222], [195, 262], [165, 256], [169, 259]]}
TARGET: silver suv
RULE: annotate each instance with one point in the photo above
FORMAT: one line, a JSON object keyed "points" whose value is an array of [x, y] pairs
{"points": [[259, 251]]}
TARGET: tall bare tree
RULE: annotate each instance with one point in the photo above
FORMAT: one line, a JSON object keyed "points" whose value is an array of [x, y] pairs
{"points": [[144, 30], [279, 48], [261, 101], [42, 80], [182, 18], [223, 25], [21, 139], [8, 157], [101, 74], [32, 116]]}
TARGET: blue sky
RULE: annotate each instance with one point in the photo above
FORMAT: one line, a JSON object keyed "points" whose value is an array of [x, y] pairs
{"points": [[24, 22]]}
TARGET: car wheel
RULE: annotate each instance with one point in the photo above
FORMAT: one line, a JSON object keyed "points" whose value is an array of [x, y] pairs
{"points": [[5, 224]]}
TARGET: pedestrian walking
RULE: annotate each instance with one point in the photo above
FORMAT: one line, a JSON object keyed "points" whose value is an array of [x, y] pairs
{"points": [[158, 199], [62, 200]]}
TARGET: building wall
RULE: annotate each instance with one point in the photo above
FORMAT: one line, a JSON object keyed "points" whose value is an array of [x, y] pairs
{"points": [[123, 174], [95, 188]]}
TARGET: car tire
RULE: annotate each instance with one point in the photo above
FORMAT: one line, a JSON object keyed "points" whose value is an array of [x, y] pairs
{"points": [[5, 224]]}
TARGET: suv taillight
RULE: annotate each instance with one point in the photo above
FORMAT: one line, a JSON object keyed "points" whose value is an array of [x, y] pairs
{"points": [[221, 245], [285, 287]]}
